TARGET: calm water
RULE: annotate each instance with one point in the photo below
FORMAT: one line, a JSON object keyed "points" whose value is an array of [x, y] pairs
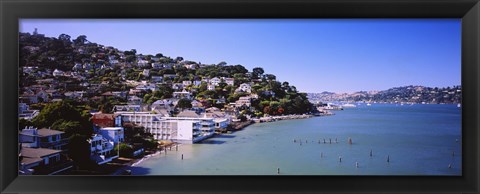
{"points": [[419, 139]]}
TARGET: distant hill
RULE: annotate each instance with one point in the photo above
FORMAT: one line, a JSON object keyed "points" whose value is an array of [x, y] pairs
{"points": [[404, 94]]}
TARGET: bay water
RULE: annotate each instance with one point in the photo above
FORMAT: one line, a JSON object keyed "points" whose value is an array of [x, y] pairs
{"points": [[404, 140]]}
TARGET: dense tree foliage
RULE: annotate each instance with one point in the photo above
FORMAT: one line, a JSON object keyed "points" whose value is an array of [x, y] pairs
{"points": [[184, 103], [64, 117], [79, 151]]}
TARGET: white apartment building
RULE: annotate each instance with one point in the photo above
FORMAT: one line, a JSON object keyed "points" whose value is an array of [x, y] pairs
{"points": [[178, 129], [192, 129]]}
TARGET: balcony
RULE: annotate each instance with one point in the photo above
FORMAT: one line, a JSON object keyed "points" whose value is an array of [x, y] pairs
{"points": [[53, 143]]}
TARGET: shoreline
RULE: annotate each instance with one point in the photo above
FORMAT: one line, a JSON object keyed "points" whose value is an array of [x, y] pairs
{"points": [[279, 118], [137, 161], [234, 126]]}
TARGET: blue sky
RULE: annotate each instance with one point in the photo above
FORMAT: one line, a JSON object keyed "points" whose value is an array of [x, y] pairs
{"points": [[315, 55]]}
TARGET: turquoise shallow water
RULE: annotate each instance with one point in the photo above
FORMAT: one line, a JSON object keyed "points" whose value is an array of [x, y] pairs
{"points": [[418, 139]]}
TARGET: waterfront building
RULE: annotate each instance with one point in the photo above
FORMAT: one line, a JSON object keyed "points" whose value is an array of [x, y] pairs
{"points": [[191, 128], [43, 138], [115, 134], [151, 122], [102, 149], [106, 120], [42, 161], [187, 127]]}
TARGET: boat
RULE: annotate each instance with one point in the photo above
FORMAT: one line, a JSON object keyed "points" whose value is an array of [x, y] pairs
{"points": [[459, 105], [348, 105], [368, 104]]}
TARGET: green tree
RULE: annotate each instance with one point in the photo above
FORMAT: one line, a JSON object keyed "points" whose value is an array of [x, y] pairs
{"points": [[63, 110], [80, 40], [79, 151], [22, 123], [184, 103], [257, 72], [125, 150], [69, 127]]}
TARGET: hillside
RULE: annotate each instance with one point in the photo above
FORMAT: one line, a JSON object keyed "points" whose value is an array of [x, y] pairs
{"points": [[99, 77], [405, 94]]}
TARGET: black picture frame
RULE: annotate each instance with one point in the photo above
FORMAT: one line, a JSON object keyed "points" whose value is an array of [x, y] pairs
{"points": [[12, 10]]}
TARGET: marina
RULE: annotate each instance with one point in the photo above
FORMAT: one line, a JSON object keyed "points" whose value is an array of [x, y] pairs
{"points": [[381, 139]]}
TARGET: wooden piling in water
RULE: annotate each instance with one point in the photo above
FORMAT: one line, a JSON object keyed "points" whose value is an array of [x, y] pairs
{"points": [[388, 158], [371, 153], [330, 140], [182, 156], [350, 141], [356, 164], [278, 170], [340, 158]]}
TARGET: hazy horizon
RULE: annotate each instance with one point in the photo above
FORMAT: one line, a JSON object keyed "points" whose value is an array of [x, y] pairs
{"points": [[315, 55]]}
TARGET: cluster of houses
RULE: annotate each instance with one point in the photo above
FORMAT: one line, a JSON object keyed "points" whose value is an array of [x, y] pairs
{"points": [[44, 151]]}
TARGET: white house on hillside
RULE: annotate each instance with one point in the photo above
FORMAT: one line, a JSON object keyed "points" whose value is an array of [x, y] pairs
{"points": [[58, 73], [215, 81], [229, 81], [244, 88]]}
